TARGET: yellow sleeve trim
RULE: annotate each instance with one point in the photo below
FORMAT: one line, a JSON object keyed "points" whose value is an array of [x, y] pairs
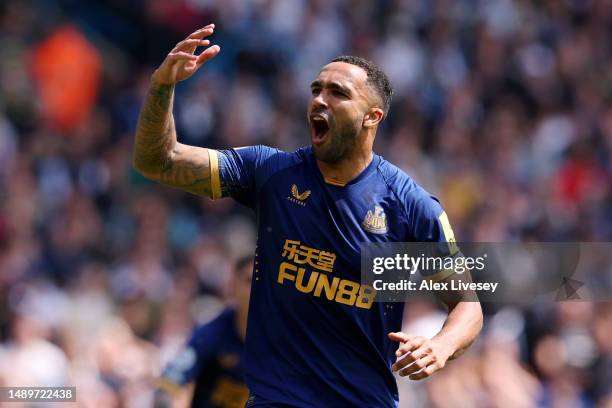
{"points": [[215, 178], [168, 386]]}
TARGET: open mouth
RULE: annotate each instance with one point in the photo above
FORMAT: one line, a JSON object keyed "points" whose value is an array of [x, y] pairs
{"points": [[320, 129]]}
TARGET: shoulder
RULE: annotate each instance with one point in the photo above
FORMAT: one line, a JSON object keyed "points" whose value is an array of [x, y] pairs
{"points": [[265, 157], [281, 159], [406, 190], [424, 213], [263, 153], [216, 328]]}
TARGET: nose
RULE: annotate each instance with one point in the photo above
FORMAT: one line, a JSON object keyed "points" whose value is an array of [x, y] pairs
{"points": [[319, 101]]}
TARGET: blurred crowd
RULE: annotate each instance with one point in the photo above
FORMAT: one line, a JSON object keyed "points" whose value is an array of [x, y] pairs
{"points": [[503, 109]]}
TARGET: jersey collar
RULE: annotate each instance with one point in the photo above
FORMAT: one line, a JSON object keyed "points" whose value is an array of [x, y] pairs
{"points": [[365, 173]]}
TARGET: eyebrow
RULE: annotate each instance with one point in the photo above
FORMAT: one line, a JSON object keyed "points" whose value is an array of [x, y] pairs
{"points": [[331, 85]]}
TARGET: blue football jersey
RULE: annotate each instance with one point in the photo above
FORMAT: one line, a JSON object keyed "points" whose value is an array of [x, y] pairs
{"points": [[213, 359], [315, 336]]}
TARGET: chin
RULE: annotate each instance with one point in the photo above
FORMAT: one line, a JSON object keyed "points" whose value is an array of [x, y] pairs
{"points": [[325, 154]]}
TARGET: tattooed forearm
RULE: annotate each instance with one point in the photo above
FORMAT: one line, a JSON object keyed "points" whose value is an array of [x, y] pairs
{"points": [[158, 155], [188, 169], [155, 133]]}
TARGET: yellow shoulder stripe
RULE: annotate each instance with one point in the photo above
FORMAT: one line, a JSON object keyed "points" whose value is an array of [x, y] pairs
{"points": [[168, 386], [448, 233]]}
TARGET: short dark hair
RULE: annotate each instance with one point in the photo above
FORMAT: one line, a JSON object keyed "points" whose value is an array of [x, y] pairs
{"points": [[376, 78]]}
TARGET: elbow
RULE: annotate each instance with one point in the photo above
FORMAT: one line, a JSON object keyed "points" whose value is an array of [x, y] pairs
{"points": [[144, 167], [138, 165], [151, 167]]}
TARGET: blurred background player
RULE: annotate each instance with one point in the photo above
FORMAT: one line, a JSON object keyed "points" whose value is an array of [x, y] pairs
{"points": [[209, 370]]}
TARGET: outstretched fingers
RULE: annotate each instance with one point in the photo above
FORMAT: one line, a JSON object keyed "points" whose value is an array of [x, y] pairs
{"points": [[195, 40], [203, 32], [181, 56], [208, 54], [182, 61], [189, 45]]}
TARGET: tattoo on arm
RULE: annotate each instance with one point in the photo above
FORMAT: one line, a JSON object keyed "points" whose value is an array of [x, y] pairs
{"points": [[159, 156]]}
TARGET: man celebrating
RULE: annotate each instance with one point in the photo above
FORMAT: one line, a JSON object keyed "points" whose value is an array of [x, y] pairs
{"points": [[315, 336]]}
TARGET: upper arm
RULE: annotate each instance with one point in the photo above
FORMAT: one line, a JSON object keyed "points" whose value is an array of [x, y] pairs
{"points": [[213, 173], [430, 224], [241, 171], [187, 168], [429, 221]]}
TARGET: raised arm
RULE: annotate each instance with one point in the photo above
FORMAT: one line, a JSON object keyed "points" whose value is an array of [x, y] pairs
{"points": [[157, 153]]}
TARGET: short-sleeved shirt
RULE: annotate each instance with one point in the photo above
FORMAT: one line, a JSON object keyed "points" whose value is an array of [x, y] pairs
{"points": [[213, 358], [315, 337]]}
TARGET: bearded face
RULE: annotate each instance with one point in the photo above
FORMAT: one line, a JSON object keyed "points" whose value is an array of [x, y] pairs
{"points": [[333, 138], [336, 111]]}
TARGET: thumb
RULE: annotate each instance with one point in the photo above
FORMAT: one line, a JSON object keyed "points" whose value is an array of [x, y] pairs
{"points": [[399, 336]]}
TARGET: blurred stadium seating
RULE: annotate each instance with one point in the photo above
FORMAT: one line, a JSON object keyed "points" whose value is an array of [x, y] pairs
{"points": [[502, 108]]}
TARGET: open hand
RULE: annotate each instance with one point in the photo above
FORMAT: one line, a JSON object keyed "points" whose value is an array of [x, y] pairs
{"points": [[418, 357], [182, 62]]}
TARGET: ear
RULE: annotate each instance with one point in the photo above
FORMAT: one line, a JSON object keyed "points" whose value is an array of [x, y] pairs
{"points": [[373, 117]]}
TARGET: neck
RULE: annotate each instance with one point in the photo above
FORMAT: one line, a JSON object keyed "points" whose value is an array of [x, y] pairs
{"points": [[346, 169]]}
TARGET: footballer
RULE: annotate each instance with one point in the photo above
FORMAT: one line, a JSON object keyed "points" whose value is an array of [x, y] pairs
{"points": [[315, 336], [209, 370]]}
